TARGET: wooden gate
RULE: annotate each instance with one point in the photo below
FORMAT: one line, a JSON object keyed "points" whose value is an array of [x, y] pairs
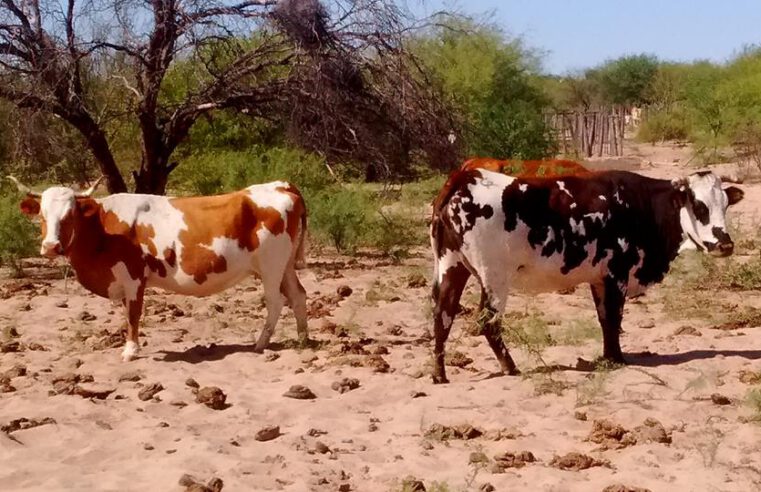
{"points": [[589, 133]]}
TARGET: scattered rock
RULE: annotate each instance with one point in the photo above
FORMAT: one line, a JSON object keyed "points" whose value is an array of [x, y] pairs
{"points": [[455, 358], [130, 376], [178, 403], [623, 488], [576, 461], [24, 423], [344, 291], [377, 363], [395, 331], [316, 432], [61, 304], [651, 431], [687, 330], [109, 340], [507, 460], [212, 397], [439, 432], [647, 324], [416, 281], [268, 433], [271, 357], [86, 316], [9, 332], [8, 347], [149, 391], [579, 415], [190, 382], [749, 377], [36, 347], [610, 435], [478, 457], [6, 386], [321, 447], [16, 371], [380, 350], [486, 487], [191, 484], [502, 434], [345, 385], [418, 394], [299, 392], [412, 484], [720, 399], [98, 394]]}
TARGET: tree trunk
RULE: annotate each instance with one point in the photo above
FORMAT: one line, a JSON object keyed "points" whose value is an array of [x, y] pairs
{"points": [[153, 175], [98, 144]]}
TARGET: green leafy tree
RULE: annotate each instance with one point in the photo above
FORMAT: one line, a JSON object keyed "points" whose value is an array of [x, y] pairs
{"points": [[627, 80]]}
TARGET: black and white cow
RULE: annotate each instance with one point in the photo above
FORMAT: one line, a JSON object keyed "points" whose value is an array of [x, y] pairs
{"points": [[616, 230]]}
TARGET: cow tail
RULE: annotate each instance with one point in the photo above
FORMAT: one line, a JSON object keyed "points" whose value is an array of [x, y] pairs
{"points": [[300, 256], [438, 221]]}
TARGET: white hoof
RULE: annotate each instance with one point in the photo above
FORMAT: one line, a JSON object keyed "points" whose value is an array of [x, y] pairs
{"points": [[130, 351]]}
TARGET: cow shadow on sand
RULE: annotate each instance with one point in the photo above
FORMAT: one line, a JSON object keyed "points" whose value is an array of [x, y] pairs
{"points": [[649, 359], [215, 352]]}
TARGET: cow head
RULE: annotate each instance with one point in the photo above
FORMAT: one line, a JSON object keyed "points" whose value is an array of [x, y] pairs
{"points": [[59, 208], [703, 211]]}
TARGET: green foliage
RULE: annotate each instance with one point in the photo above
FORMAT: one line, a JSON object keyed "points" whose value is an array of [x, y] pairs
{"points": [[18, 235], [340, 216], [667, 124], [627, 80], [491, 80]]}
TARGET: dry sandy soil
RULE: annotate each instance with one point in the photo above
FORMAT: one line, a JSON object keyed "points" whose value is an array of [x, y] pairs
{"points": [[676, 417]]}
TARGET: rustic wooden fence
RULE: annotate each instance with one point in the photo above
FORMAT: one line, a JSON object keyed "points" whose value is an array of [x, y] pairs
{"points": [[589, 133]]}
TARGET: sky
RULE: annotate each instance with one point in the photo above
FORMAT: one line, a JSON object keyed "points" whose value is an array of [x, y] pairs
{"points": [[578, 34]]}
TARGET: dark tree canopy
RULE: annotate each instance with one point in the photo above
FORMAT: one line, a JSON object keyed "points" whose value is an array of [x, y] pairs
{"points": [[335, 74]]}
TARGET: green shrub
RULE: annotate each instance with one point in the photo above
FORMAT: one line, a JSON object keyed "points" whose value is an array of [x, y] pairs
{"points": [[339, 216], [664, 125], [18, 235]]}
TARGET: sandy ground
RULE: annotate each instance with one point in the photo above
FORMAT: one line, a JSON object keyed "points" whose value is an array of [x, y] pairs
{"points": [[396, 423]]}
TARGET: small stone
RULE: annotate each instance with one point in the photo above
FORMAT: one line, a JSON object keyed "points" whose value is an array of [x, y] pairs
{"points": [[579, 415], [344, 487], [427, 445], [321, 447], [163, 425], [486, 487], [647, 324], [103, 425], [178, 403], [268, 433], [130, 376], [271, 357], [300, 392], [418, 394], [345, 385], [16, 371], [687, 330], [86, 316], [148, 447], [720, 399], [9, 332], [190, 382], [412, 484], [478, 457], [212, 397], [149, 391], [61, 304], [344, 291]]}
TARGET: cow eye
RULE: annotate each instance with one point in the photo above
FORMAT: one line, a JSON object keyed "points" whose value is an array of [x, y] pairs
{"points": [[701, 211]]}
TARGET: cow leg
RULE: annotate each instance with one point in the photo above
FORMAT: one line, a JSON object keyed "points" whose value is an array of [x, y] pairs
{"points": [[274, 303], [446, 296], [491, 328], [297, 298], [609, 301], [134, 309]]}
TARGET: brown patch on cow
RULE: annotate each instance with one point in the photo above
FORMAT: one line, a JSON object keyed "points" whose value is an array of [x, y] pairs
{"points": [[200, 261], [530, 168], [170, 257], [30, 206], [145, 235]]}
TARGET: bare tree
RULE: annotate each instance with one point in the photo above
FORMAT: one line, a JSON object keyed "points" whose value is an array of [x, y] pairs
{"points": [[339, 75]]}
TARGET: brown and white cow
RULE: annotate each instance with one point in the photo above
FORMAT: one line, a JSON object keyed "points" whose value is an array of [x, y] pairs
{"points": [[121, 244], [616, 230]]}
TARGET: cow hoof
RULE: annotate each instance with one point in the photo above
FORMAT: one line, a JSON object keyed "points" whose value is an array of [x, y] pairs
{"points": [[131, 349], [440, 380], [514, 372], [259, 350]]}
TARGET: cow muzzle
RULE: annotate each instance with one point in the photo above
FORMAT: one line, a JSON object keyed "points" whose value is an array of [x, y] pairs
{"points": [[51, 249], [722, 249]]}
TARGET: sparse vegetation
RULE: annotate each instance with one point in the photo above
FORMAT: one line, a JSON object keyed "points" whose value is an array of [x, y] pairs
{"points": [[18, 235]]}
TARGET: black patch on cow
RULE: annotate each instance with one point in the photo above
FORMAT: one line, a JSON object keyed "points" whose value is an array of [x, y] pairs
{"points": [[701, 211], [721, 235]]}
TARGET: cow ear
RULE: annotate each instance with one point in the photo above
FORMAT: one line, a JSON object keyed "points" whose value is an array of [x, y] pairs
{"points": [[734, 194], [682, 191], [30, 206], [88, 207]]}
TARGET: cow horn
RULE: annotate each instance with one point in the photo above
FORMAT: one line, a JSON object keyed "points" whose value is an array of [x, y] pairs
{"points": [[89, 191], [24, 188], [729, 178]]}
